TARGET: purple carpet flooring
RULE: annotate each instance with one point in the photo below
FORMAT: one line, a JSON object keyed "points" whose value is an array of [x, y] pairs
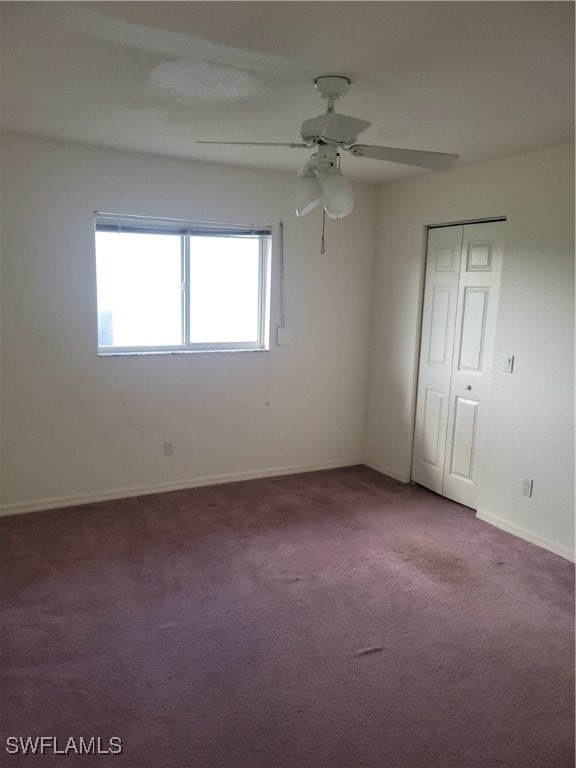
{"points": [[335, 619]]}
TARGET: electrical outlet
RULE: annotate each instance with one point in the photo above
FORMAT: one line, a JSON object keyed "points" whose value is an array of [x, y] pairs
{"points": [[527, 487], [169, 448]]}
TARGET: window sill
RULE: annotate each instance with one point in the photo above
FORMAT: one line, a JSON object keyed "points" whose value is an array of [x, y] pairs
{"points": [[149, 352]]}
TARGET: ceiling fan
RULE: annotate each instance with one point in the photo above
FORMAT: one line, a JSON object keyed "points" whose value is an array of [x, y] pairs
{"points": [[320, 179]]}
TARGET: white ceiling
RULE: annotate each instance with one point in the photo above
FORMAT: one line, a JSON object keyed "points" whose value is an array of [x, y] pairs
{"points": [[481, 79]]}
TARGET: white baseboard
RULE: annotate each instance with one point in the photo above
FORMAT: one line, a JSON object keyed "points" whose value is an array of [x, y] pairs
{"points": [[38, 505], [387, 471], [522, 533]]}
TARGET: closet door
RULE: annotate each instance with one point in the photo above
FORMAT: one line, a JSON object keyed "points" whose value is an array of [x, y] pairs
{"points": [[443, 258], [450, 420]]}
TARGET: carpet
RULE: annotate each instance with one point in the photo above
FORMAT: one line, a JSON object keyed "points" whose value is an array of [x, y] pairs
{"points": [[334, 619]]}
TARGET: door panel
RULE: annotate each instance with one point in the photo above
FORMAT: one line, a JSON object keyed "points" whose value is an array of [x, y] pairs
{"points": [[473, 333], [439, 317], [464, 439], [447, 255], [432, 432], [458, 327], [479, 257]]}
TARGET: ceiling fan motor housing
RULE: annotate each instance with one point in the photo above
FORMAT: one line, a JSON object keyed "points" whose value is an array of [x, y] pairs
{"points": [[332, 128]]}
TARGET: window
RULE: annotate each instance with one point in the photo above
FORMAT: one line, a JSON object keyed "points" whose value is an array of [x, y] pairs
{"points": [[170, 286]]}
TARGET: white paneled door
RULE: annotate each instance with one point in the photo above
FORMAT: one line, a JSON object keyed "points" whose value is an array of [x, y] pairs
{"points": [[463, 266]]}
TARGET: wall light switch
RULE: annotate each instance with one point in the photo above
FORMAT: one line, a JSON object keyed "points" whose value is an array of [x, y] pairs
{"points": [[508, 366], [527, 486]]}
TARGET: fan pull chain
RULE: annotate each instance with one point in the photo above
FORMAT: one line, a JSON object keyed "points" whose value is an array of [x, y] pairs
{"points": [[323, 244]]}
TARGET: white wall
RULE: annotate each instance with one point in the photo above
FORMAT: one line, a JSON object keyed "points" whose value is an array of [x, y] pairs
{"points": [[531, 413], [78, 427]]}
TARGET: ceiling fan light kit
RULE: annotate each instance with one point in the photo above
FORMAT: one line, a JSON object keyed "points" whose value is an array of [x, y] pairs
{"points": [[308, 193], [321, 180], [337, 194]]}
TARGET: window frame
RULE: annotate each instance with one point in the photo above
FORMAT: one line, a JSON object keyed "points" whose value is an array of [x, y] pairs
{"points": [[185, 230]]}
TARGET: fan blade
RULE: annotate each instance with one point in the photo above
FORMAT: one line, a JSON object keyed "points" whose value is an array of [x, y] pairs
{"points": [[436, 161], [292, 144]]}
